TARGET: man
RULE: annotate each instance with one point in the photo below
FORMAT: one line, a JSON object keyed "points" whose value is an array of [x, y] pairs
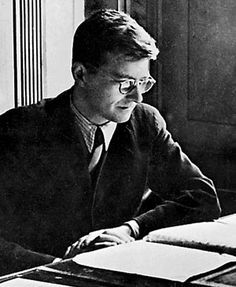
{"points": [[65, 192]]}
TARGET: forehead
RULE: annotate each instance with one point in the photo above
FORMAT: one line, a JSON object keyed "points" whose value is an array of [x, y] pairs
{"points": [[122, 67]]}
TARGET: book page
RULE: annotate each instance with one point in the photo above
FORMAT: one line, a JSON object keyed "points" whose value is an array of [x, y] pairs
{"points": [[228, 219], [154, 260], [21, 282], [218, 236]]}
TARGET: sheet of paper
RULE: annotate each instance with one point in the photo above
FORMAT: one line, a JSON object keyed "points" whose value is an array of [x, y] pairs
{"points": [[155, 260], [21, 282], [228, 219], [217, 233]]}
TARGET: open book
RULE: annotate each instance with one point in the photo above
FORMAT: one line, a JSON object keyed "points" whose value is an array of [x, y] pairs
{"points": [[217, 236], [155, 260]]}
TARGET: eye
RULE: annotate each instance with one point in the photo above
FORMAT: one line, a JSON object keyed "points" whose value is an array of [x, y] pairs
{"points": [[127, 85]]}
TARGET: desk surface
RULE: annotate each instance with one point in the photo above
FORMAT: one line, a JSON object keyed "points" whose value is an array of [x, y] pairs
{"points": [[226, 277], [68, 273]]}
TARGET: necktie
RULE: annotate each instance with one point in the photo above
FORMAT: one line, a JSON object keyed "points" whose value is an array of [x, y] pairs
{"points": [[97, 149]]}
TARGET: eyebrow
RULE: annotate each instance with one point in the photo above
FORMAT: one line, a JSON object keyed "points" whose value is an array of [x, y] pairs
{"points": [[121, 75], [125, 76]]}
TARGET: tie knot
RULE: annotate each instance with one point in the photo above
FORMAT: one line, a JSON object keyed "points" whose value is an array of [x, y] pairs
{"points": [[99, 138]]}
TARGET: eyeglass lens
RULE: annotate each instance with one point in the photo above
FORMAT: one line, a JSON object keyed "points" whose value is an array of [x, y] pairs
{"points": [[144, 86]]}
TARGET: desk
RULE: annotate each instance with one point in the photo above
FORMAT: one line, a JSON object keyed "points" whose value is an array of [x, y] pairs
{"points": [[68, 273], [223, 278], [99, 268]]}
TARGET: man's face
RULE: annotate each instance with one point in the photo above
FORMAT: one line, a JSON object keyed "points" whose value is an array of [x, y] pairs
{"points": [[104, 99]]}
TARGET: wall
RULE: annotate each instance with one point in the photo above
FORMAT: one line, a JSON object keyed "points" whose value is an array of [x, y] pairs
{"points": [[198, 83], [61, 19], [6, 56]]}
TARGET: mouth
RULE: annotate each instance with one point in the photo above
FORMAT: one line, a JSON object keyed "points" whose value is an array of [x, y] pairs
{"points": [[130, 107]]}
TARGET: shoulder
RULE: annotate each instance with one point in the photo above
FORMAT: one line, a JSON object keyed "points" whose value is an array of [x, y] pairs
{"points": [[32, 116], [148, 116], [20, 118], [147, 126]]}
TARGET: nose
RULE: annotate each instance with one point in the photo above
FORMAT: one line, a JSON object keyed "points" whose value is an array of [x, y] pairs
{"points": [[136, 95]]}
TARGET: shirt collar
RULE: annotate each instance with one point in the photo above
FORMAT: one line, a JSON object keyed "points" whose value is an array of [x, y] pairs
{"points": [[88, 129]]}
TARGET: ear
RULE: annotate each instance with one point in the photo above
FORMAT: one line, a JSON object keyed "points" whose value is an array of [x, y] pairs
{"points": [[79, 71]]}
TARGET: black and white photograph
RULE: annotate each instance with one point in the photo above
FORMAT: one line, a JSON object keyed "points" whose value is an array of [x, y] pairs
{"points": [[117, 143]]}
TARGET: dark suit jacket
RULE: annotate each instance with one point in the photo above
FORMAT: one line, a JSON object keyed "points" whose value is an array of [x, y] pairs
{"points": [[46, 198]]}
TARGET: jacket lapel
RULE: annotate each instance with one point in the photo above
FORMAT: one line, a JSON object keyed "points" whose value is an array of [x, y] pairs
{"points": [[65, 132]]}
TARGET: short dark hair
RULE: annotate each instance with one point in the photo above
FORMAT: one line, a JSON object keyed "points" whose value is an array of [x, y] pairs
{"points": [[111, 31]]}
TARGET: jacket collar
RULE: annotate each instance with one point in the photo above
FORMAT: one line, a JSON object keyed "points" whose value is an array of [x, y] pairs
{"points": [[60, 110]]}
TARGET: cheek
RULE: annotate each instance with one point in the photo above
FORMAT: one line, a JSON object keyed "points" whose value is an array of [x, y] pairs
{"points": [[109, 96], [104, 93]]}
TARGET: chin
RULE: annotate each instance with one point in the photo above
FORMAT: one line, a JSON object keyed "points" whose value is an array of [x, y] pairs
{"points": [[123, 119]]}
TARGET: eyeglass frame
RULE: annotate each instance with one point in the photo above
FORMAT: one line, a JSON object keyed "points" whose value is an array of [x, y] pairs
{"points": [[135, 82]]}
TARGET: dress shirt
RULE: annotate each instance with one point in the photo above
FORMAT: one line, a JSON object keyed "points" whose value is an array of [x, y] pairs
{"points": [[88, 130]]}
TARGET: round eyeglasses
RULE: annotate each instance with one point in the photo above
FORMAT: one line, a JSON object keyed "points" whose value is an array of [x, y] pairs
{"points": [[127, 85], [144, 85]]}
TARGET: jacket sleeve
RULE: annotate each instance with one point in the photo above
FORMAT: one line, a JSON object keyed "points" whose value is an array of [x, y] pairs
{"points": [[188, 196], [14, 258]]}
